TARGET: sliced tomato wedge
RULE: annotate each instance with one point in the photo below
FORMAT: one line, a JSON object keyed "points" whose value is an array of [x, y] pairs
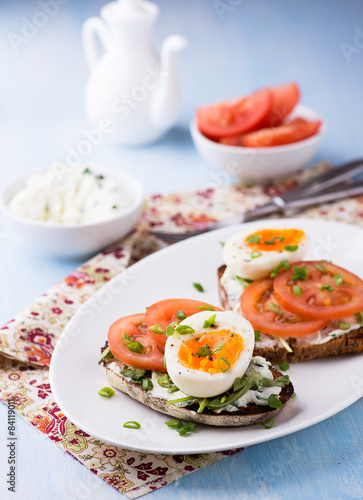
{"points": [[259, 306], [151, 357], [285, 98], [294, 131], [167, 311], [235, 117], [327, 292]]}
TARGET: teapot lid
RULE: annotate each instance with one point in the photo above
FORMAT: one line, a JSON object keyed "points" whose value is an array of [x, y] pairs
{"points": [[130, 10]]}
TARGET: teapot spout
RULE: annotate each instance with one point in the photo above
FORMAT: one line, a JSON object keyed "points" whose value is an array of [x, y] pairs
{"points": [[166, 101]]}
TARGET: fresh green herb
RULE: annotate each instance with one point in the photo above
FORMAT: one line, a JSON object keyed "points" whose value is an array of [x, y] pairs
{"points": [[274, 402], [269, 242], [253, 239], [205, 307], [291, 248], [327, 287], [280, 238], [255, 254], [115, 207], [297, 290], [187, 428], [320, 267], [180, 315], [293, 396], [257, 336], [132, 424], [174, 424], [136, 374], [86, 171], [135, 346], [344, 326], [283, 264], [284, 365], [106, 392], [106, 354], [218, 347], [300, 273], [166, 382], [209, 322], [223, 370], [100, 177], [157, 329], [184, 329], [170, 330], [180, 400], [276, 309], [338, 279], [204, 351], [285, 344], [275, 382], [222, 243], [243, 281], [202, 404], [268, 424], [199, 287], [147, 384]]}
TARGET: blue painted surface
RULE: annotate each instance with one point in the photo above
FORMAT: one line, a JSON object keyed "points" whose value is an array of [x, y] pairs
{"points": [[318, 44]]}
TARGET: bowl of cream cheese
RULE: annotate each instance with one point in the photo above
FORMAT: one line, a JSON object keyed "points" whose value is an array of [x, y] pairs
{"points": [[72, 212]]}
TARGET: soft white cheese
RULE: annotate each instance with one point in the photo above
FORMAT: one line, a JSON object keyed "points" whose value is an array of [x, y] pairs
{"points": [[76, 196]]}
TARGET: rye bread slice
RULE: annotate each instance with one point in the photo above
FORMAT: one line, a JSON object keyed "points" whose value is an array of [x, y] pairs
{"points": [[351, 342], [251, 414]]}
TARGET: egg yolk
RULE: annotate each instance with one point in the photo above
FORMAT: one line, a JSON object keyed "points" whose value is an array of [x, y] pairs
{"points": [[274, 240], [211, 352]]}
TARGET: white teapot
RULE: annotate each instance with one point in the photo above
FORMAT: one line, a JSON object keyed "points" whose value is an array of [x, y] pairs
{"points": [[130, 95]]}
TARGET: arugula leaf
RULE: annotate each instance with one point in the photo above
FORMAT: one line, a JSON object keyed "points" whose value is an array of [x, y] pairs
{"points": [[136, 374], [147, 384], [274, 402]]}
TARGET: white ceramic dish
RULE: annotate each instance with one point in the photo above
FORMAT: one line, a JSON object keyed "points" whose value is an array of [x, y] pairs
{"points": [[324, 387], [77, 240], [260, 164]]}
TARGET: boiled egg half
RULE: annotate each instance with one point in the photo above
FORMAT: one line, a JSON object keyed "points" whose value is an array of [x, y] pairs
{"points": [[254, 254], [205, 363]]}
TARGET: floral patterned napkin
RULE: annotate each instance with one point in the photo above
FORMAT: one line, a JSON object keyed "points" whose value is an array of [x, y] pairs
{"points": [[28, 340]]}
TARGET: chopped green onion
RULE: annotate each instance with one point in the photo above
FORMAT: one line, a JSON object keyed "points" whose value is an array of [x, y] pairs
{"points": [[291, 248], [320, 267], [199, 287], [255, 254], [86, 171], [157, 329], [269, 242], [284, 365], [359, 317], [222, 243], [170, 330], [327, 287], [257, 336], [202, 404], [184, 329], [268, 424], [180, 315], [280, 238], [344, 326], [106, 354], [205, 307], [126, 337], [164, 381], [164, 361], [204, 351], [147, 384], [293, 396], [253, 239], [218, 347], [300, 273], [114, 207], [100, 177], [338, 279], [285, 344], [209, 322], [274, 402], [174, 424], [276, 309], [132, 424], [106, 392], [297, 290], [224, 361], [180, 400], [283, 264], [135, 347], [188, 427]]}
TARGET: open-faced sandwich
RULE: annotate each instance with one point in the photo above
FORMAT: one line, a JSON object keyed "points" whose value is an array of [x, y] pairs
{"points": [[300, 310], [194, 361]]}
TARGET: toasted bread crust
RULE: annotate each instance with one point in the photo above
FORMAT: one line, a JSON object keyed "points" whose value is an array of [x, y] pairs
{"points": [[251, 414], [351, 342]]}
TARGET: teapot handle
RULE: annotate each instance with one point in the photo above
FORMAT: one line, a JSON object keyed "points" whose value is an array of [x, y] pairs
{"points": [[93, 26]]}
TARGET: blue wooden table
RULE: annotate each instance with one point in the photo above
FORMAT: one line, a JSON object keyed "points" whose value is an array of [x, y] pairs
{"points": [[235, 47]]}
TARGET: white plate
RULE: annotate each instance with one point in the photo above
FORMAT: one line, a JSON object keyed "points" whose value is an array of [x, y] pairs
{"points": [[324, 387]]}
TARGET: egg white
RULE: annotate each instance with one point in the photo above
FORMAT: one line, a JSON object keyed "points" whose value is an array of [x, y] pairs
{"points": [[237, 256], [202, 384]]}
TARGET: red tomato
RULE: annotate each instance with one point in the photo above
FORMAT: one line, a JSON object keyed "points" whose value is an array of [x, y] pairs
{"points": [[151, 357], [165, 312], [285, 98], [260, 307], [294, 131], [235, 117], [328, 293]]}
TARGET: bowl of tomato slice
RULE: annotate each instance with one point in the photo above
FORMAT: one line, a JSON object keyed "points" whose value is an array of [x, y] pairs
{"points": [[261, 137]]}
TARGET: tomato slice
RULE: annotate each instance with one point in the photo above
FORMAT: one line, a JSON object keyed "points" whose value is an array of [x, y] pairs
{"points": [[285, 98], [235, 117], [294, 131], [164, 312], [327, 292], [260, 307], [151, 357]]}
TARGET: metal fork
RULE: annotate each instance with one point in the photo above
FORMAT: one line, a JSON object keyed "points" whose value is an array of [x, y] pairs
{"points": [[334, 185]]}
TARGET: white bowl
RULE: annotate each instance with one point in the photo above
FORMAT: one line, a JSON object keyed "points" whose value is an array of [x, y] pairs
{"points": [[72, 241], [261, 164]]}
